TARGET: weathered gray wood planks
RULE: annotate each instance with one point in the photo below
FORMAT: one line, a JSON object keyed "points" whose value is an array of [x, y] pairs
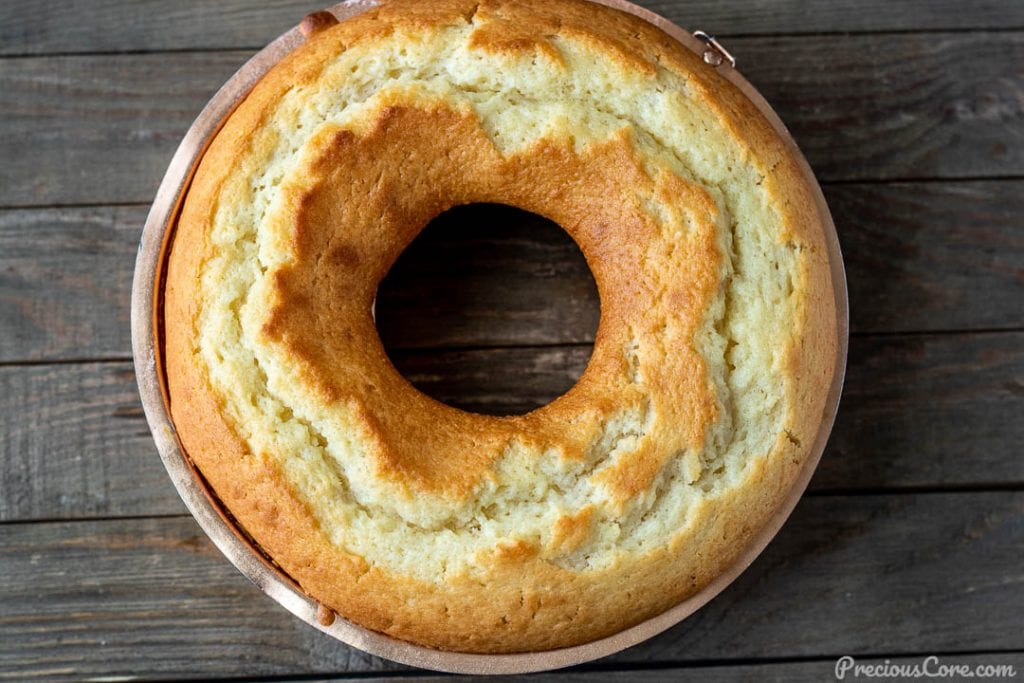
{"points": [[49, 26], [101, 129], [153, 597], [910, 541], [918, 412], [919, 257]]}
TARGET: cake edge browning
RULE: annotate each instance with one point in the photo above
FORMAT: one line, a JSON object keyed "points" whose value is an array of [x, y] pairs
{"points": [[504, 613]]}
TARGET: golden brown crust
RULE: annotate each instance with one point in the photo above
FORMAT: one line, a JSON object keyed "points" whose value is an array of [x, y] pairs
{"points": [[519, 599], [342, 258]]}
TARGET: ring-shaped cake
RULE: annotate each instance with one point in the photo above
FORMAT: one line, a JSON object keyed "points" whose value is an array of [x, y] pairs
{"points": [[710, 368]]}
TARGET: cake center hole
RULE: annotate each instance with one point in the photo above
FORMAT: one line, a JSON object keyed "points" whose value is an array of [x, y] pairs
{"points": [[491, 309]]}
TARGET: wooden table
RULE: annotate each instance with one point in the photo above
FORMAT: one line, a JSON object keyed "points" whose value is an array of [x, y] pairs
{"points": [[910, 541]]}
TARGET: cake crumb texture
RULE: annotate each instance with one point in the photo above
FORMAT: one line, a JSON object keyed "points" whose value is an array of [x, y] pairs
{"points": [[476, 533]]}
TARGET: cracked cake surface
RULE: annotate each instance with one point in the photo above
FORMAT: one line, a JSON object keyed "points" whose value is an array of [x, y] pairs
{"points": [[630, 492]]}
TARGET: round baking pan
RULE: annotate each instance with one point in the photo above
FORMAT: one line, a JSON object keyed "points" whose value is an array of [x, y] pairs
{"points": [[147, 343]]}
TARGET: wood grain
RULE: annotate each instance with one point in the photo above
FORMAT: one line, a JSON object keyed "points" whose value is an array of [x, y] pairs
{"points": [[837, 16], [932, 256], [65, 282], [766, 672], [929, 411], [872, 574], [101, 129], [82, 26], [149, 597], [910, 540], [49, 26], [74, 443], [488, 275], [884, 108], [919, 256], [921, 411]]}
